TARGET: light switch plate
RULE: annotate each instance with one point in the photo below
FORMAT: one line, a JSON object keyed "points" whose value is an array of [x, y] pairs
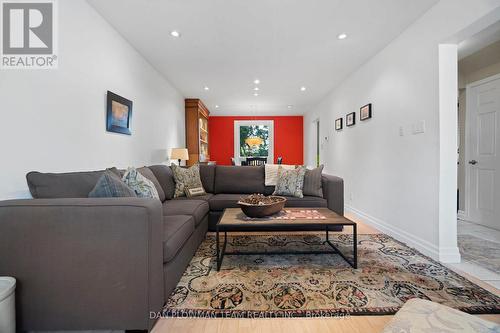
{"points": [[418, 127]]}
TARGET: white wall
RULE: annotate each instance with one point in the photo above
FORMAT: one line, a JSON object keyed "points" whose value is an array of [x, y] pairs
{"points": [[392, 181], [55, 120]]}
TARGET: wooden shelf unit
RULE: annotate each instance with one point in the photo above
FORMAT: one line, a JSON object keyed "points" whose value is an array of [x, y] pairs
{"points": [[197, 144]]}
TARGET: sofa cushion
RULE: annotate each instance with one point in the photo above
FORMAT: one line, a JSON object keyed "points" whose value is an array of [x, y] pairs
{"points": [[165, 178], [176, 231], [207, 175], [239, 179], [146, 172], [62, 185], [306, 201], [110, 185], [269, 190], [205, 197], [220, 202], [196, 208]]}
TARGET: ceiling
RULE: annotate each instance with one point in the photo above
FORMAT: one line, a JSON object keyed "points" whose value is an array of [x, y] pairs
{"points": [[485, 57], [226, 44], [479, 41]]}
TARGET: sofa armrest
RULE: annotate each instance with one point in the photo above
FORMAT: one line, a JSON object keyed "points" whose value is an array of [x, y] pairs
{"points": [[333, 192], [83, 263]]}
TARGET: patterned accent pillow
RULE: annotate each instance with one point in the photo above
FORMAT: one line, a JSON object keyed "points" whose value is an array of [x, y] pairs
{"points": [[143, 187], [290, 182], [271, 172], [185, 177], [110, 185]]}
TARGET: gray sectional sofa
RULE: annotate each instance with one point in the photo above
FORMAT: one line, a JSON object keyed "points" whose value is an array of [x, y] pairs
{"points": [[84, 263]]}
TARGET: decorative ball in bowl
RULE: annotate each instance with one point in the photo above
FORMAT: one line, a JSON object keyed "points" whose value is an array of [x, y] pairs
{"points": [[258, 205]]}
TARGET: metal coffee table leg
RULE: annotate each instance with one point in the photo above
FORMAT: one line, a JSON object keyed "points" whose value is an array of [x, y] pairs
{"points": [[220, 253], [354, 261]]}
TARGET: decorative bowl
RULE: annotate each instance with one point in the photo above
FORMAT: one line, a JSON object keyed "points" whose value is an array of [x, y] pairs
{"points": [[257, 205]]}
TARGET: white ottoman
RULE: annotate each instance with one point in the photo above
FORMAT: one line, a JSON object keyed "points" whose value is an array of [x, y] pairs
{"points": [[7, 305], [420, 316]]}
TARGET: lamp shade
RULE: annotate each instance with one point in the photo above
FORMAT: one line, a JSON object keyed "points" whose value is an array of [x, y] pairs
{"points": [[179, 154]]}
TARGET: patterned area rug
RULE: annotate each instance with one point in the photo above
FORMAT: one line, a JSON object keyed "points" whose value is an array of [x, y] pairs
{"points": [[480, 251], [389, 274]]}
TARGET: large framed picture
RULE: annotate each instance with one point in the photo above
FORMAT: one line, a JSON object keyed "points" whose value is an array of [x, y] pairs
{"points": [[350, 119], [119, 114], [338, 124], [365, 112], [253, 139]]}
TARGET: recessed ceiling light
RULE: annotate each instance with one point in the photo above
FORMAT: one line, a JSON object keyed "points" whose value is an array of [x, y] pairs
{"points": [[289, 106], [342, 36], [256, 94], [175, 33], [216, 106], [256, 81], [206, 88], [256, 88], [302, 88]]}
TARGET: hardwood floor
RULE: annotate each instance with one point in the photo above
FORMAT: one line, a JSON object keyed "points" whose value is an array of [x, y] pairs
{"points": [[352, 324]]}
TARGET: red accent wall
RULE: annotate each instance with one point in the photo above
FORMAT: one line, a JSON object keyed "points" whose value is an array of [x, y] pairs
{"points": [[288, 138]]}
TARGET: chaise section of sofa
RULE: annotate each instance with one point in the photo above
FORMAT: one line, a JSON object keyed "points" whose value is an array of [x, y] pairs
{"points": [[122, 276], [83, 263]]}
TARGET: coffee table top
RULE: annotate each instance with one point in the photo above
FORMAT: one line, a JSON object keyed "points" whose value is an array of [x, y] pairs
{"points": [[289, 217]]}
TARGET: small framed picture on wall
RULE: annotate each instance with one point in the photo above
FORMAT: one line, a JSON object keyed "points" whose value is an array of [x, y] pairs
{"points": [[350, 119], [338, 124], [365, 112]]}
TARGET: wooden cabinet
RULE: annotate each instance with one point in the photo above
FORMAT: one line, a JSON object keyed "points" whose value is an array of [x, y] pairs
{"points": [[197, 131]]}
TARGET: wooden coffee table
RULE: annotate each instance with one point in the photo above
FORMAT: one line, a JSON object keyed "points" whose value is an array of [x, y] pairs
{"points": [[292, 219]]}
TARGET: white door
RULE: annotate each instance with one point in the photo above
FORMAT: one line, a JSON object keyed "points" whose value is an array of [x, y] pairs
{"points": [[483, 152]]}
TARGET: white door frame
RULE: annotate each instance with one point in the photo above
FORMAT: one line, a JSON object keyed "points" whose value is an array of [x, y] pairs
{"points": [[238, 123], [447, 247], [468, 134]]}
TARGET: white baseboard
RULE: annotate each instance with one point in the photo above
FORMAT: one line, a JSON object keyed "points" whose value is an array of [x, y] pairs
{"points": [[448, 255], [462, 215]]}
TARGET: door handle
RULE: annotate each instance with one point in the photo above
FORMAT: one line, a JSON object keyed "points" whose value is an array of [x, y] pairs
{"points": [[473, 162]]}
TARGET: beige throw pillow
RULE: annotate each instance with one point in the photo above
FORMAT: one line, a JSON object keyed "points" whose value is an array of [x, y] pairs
{"points": [[271, 172]]}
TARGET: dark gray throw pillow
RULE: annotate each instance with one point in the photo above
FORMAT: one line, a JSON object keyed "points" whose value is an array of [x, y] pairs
{"points": [[111, 186], [312, 182]]}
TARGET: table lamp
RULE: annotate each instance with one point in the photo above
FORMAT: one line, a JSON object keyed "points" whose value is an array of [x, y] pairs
{"points": [[179, 154]]}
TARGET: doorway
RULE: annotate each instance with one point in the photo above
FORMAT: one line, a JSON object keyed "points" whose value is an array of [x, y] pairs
{"points": [[482, 152], [318, 143], [479, 130], [478, 171]]}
